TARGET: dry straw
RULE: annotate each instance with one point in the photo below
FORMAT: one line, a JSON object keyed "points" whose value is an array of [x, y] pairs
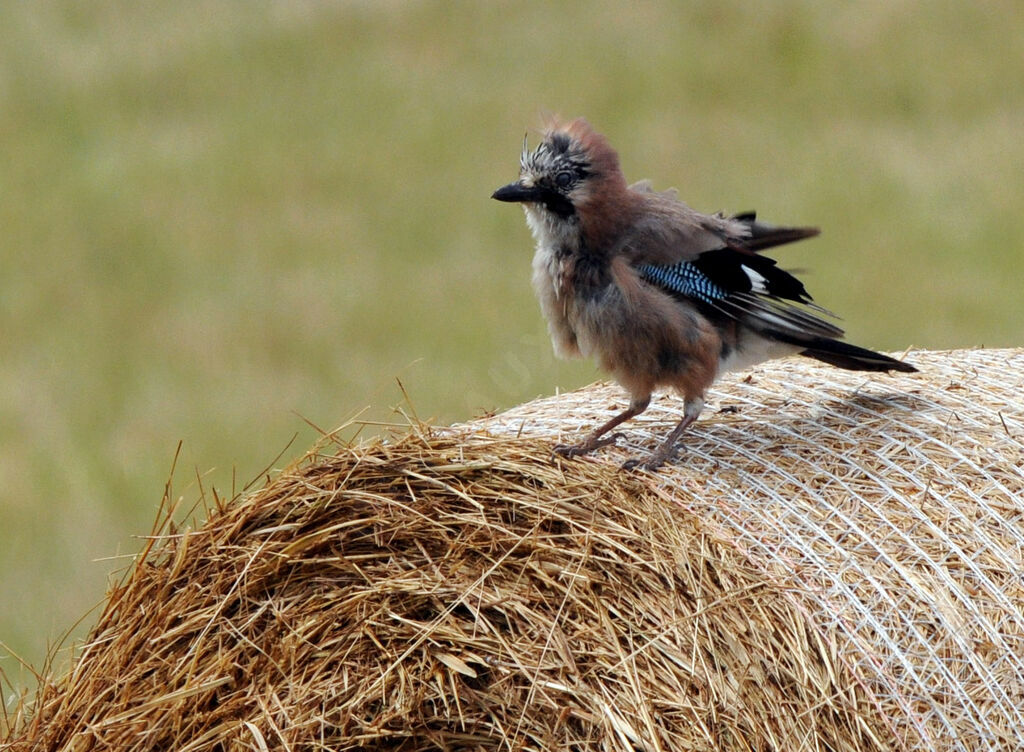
{"points": [[834, 563]]}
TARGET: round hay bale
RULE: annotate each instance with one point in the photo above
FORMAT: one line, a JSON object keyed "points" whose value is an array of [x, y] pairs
{"points": [[834, 563]]}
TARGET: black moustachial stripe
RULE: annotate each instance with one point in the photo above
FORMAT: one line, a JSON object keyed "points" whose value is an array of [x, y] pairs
{"points": [[557, 204]]}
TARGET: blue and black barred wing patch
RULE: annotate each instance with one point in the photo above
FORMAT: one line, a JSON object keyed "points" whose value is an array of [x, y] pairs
{"points": [[686, 279]]}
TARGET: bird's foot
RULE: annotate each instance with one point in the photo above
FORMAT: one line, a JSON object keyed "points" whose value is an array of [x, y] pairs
{"points": [[654, 460], [585, 447]]}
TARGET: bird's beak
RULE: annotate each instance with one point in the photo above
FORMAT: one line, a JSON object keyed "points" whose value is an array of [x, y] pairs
{"points": [[516, 192]]}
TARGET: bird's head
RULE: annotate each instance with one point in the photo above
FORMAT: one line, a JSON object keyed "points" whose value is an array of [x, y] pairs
{"points": [[572, 171]]}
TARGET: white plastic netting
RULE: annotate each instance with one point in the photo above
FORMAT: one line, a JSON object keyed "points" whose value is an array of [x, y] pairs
{"points": [[890, 508]]}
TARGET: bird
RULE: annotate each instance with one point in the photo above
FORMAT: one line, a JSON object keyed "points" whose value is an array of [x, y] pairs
{"points": [[660, 294]]}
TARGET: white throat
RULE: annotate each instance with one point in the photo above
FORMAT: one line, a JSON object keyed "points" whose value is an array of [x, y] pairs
{"points": [[550, 231]]}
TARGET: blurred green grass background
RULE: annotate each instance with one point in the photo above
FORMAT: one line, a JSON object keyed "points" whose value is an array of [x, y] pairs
{"points": [[221, 218]]}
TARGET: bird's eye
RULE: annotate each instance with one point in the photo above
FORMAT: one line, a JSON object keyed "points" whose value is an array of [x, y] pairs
{"points": [[563, 179]]}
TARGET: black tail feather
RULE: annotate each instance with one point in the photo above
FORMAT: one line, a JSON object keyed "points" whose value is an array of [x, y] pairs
{"points": [[851, 357], [764, 235]]}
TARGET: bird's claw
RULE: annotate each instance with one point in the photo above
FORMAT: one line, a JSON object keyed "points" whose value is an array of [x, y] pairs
{"points": [[654, 460], [585, 447], [568, 450], [651, 464]]}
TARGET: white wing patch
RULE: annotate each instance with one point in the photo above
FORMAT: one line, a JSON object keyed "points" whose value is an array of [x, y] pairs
{"points": [[758, 283]]}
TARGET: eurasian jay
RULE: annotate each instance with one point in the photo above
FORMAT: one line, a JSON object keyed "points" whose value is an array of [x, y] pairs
{"points": [[660, 294]]}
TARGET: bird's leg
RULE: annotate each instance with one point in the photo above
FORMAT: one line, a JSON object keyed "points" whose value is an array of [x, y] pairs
{"points": [[667, 449], [594, 440]]}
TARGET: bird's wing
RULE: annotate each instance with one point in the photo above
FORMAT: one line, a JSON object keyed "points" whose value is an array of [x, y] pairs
{"points": [[787, 316], [716, 260], [747, 287]]}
